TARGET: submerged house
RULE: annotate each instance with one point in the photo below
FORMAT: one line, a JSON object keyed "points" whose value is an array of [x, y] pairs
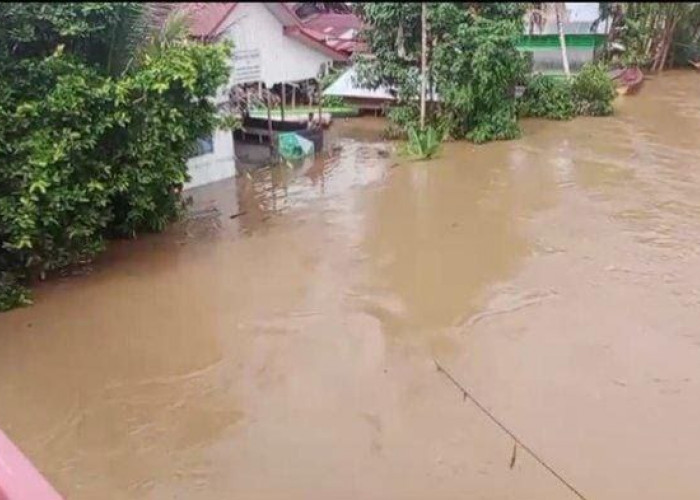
{"points": [[349, 89], [584, 34], [272, 47]]}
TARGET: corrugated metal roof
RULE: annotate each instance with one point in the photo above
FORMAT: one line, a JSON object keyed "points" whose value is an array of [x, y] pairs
{"points": [[346, 86]]}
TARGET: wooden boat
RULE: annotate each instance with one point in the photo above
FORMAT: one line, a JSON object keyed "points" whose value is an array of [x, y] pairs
{"points": [[695, 64], [630, 81]]}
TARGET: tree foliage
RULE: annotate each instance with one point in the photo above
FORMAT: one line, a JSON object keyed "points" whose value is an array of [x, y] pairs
{"points": [[653, 33], [474, 68], [98, 115], [473, 65], [589, 93], [547, 97]]}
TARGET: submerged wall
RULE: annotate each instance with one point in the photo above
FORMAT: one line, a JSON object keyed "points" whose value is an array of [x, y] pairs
{"points": [[216, 165], [551, 60]]}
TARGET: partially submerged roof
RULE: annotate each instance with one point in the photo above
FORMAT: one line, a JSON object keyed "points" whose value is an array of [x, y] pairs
{"points": [[347, 86]]}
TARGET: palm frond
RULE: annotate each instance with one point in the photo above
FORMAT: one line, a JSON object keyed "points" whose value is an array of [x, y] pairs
{"points": [[127, 34], [144, 27]]}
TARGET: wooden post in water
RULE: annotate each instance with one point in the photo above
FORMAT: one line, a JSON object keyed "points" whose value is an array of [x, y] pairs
{"points": [[284, 98], [269, 118], [320, 105]]}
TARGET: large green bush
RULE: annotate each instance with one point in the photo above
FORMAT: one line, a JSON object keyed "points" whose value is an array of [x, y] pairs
{"points": [[590, 92], [593, 91], [548, 97], [92, 144], [476, 74]]}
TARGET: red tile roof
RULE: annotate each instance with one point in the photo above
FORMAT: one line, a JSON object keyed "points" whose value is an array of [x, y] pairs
{"points": [[337, 22], [208, 17], [208, 21], [338, 31]]}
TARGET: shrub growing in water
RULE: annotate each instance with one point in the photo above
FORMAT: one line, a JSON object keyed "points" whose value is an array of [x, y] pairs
{"points": [[401, 118], [590, 92], [423, 144], [548, 97], [593, 91]]}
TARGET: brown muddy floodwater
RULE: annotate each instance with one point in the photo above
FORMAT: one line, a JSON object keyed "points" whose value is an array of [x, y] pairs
{"points": [[289, 353]]}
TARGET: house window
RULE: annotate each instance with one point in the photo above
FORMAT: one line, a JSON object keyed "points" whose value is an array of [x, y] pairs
{"points": [[205, 145]]}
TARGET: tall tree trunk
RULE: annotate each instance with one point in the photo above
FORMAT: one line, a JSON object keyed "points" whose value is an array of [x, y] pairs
{"points": [[400, 46], [431, 82], [664, 39], [558, 10], [668, 41], [423, 61], [652, 29]]}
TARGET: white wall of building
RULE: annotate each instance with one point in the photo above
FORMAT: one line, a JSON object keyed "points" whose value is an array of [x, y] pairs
{"points": [[583, 11], [255, 30], [215, 166]]}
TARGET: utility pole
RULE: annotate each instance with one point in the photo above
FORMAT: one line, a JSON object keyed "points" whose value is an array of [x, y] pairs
{"points": [[558, 10], [423, 63]]}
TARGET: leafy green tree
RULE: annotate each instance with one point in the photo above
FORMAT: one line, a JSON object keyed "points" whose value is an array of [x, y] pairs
{"points": [[472, 63], [100, 107]]}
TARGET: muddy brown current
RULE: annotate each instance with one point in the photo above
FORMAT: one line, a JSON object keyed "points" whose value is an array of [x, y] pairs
{"points": [[289, 352]]}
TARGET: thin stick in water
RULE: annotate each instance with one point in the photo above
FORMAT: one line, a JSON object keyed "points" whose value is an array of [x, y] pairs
{"points": [[467, 395]]}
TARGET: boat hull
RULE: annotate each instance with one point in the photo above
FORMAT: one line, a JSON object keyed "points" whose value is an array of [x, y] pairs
{"points": [[630, 81]]}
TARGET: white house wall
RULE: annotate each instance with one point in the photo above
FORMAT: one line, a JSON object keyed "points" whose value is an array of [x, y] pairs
{"points": [[215, 166], [252, 27]]}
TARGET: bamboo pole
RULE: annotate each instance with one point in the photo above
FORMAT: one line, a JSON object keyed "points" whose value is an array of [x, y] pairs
{"points": [[668, 40]]}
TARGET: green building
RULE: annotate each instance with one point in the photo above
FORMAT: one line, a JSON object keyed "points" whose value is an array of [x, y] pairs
{"points": [[545, 51]]}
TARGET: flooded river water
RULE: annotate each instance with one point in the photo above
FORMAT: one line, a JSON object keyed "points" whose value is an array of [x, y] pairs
{"points": [[290, 352]]}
